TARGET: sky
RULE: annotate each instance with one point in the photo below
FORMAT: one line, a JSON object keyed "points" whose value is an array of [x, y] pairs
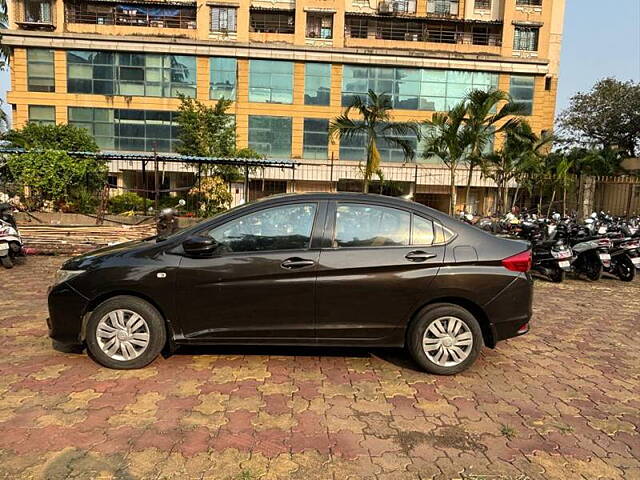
{"points": [[600, 39]]}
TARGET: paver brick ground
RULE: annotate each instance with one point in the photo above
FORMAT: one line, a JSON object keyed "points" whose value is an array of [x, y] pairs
{"points": [[562, 402]]}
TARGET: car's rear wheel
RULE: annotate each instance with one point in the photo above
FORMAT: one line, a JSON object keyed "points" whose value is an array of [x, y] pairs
{"points": [[125, 332], [445, 339]]}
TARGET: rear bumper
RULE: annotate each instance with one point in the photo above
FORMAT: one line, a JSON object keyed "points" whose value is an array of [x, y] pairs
{"points": [[66, 310], [511, 310]]}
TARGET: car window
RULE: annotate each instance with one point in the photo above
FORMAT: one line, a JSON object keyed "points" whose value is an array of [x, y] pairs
{"points": [[278, 228], [371, 226], [422, 231]]}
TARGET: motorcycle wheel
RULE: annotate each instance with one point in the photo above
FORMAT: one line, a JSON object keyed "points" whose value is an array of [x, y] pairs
{"points": [[593, 270], [6, 262], [625, 269], [557, 275]]}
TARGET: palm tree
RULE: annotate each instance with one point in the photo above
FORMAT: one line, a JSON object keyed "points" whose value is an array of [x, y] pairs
{"points": [[484, 120], [449, 138], [374, 124], [522, 158]]}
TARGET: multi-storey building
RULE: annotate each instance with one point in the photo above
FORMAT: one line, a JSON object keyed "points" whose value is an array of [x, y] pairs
{"points": [[290, 66]]}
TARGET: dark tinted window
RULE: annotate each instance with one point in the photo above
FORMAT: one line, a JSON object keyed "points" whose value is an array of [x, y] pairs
{"points": [[278, 228], [371, 226], [422, 233]]}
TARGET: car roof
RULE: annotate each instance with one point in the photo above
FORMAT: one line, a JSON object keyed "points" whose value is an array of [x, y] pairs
{"points": [[357, 197]]}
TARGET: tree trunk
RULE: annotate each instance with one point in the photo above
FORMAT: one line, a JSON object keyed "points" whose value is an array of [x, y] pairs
{"points": [[515, 196], [553, 198], [468, 189], [564, 200], [452, 191]]}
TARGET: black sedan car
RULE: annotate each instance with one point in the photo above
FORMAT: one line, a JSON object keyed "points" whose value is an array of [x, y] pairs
{"points": [[331, 269]]}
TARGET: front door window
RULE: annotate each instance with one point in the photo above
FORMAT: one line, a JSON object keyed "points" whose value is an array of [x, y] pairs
{"points": [[279, 228]]}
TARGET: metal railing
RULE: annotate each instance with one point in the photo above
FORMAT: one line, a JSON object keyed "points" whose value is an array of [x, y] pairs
{"points": [[186, 19], [272, 22], [413, 31]]}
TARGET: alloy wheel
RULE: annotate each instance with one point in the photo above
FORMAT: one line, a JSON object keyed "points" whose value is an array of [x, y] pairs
{"points": [[447, 341], [122, 334]]}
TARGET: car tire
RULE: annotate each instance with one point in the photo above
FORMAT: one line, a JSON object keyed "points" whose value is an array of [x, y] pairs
{"points": [[125, 332], [421, 338]]}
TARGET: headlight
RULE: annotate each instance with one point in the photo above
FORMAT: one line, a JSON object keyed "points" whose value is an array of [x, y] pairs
{"points": [[65, 275]]}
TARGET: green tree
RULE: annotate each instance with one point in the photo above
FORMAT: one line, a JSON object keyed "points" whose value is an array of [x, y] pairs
{"points": [[206, 131], [488, 113], [607, 117], [36, 136], [373, 122], [55, 176], [449, 139]]}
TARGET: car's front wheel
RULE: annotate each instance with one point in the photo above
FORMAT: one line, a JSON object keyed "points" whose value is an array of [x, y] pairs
{"points": [[445, 339], [125, 332]]}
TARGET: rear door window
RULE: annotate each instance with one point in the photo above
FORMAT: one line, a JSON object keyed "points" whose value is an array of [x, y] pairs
{"points": [[359, 225], [422, 232]]}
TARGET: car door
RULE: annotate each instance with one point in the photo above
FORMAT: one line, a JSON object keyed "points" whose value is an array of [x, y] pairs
{"points": [[259, 285], [374, 271]]}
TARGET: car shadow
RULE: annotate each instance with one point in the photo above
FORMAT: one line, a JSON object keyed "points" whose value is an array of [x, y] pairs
{"points": [[395, 356]]}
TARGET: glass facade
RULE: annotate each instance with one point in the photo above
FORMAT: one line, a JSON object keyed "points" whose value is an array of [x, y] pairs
{"points": [[414, 88], [270, 81], [521, 91], [315, 139], [127, 130], [130, 74], [40, 71], [354, 148], [270, 136], [223, 78], [44, 114], [317, 83]]}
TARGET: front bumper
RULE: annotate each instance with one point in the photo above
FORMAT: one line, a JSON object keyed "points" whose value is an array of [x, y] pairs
{"points": [[511, 310], [67, 308]]}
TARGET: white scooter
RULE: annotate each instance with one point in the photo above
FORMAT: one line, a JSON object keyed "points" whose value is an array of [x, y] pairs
{"points": [[10, 240]]}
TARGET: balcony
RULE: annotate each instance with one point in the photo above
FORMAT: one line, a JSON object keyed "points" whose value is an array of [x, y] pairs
{"points": [[163, 15], [418, 30], [36, 15]]}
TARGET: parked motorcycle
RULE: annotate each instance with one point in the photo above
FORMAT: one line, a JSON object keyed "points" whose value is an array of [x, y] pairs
{"points": [[11, 246], [167, 221], [551, 256]]}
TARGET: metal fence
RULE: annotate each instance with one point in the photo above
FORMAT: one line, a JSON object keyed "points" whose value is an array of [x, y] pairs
{"points": [[617, 195]]}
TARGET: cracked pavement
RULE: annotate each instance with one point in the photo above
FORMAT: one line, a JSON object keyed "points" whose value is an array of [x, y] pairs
{"points": [[562, 402]]}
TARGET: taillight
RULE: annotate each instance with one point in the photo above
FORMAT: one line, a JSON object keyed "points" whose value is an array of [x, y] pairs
{"points": [[518, 263]]}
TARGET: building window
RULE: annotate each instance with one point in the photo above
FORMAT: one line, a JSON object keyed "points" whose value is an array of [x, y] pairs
{"points": [[270, 81], [320, 25], [317, 84], [272, 22], [223, 19], [128, 130], [414, 88], [270, 136], [548, 83], [37, 11], [316, 138], [528, 3], [356, 27], [521, 91], [135, 14], [443, 7], [223, 77], [482, 4], [526, 38], [131, 74], [43, 114], [354, 148], [40, 71]]}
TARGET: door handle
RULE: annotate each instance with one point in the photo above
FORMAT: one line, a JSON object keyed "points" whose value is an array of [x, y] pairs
{"points": [[295, 262], [419, 256]]}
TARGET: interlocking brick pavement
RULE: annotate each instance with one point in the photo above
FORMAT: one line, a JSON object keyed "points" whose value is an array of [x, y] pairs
{"points": [[562, 402]]}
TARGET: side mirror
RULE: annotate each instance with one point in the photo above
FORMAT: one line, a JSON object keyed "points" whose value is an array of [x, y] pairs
{"points": [[199, 246]]}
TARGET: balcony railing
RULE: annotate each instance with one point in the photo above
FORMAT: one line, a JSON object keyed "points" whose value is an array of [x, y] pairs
{"points": [[272, 22], [418, 32], [81, 12]]}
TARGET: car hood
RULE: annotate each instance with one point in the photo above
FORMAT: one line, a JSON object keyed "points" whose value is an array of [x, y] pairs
{"points": [[98, 256]]}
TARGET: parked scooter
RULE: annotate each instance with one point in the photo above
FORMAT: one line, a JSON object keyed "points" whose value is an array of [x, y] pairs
{"points": [[167, 222], [551, 255], [591, 254], [11, 245]]}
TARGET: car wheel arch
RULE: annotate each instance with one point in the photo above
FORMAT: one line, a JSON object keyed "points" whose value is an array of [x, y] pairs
{"points": [[473, 308], [93, 304]]}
